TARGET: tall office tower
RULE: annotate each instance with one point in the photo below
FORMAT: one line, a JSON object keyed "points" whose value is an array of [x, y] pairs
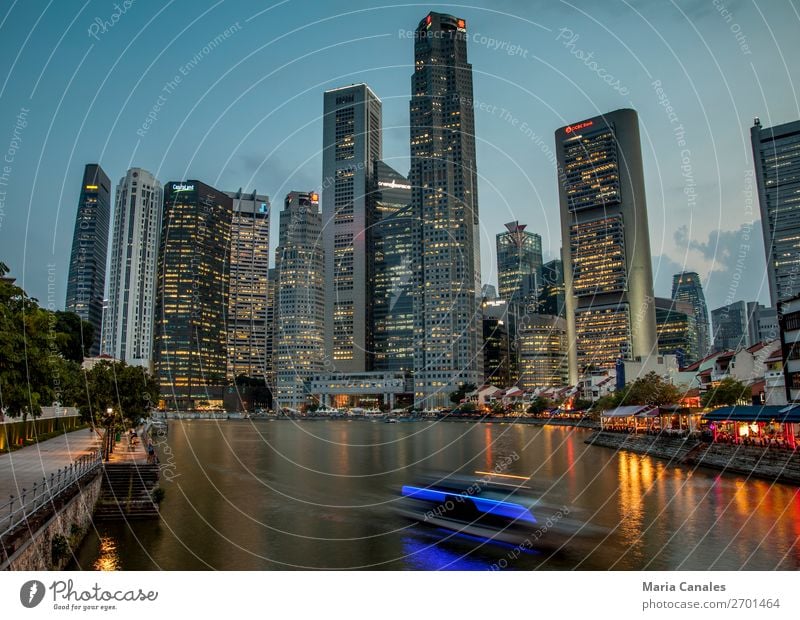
{"points": [[87, 263], [607, 272], [497, 353], [351, 143], [299, 340], [130, 316], [519, 265], [269, 342], [192, 295], [677, 330], [542, 352], [730, 324], [447, 317], [391, 251], [776, 156], [248, 285], [762, 323], [488, 291], [686, 287], [551, 296]]}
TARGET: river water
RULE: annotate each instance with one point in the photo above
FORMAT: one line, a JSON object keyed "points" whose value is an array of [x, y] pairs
{"points": [[244, 495]]}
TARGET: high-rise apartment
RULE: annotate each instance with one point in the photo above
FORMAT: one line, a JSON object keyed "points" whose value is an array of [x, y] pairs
{"points": [[87, 265], [444, 195], [607, 271], [776, 156], [248, 285], [299, 307], [130, 317], [192, 295], [351, 144]]}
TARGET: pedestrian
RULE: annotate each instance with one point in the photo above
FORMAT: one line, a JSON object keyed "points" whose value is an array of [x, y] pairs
{"points": [[151, 453]]}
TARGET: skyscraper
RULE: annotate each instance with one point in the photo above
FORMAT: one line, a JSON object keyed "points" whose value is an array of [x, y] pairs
{"points": [[731, 326], [351, 143], [299, 338], [542, 351], [686, 287], [607, 272], [677, 330], [551, 296], [776, 156], [447, 317], [192, 295], [519, 264], [130, 317], [391, 251], [248, 285], [87, 263]]}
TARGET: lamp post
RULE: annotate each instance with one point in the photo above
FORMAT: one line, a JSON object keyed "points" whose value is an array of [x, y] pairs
{"points": [[109, 424]]}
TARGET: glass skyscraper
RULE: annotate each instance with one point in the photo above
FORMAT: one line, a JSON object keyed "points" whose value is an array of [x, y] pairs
{"points": [[519, 264], [776, 156], [447, 317], [686, 287], [607, 271], [87, 265], [130, 318], [192, 295], [392, 244]]}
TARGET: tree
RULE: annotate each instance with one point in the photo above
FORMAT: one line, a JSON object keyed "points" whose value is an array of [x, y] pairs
{"points": [[461, 393], [128, 390], [650, 389], [75, 336], [728, 392], [540, 404]]}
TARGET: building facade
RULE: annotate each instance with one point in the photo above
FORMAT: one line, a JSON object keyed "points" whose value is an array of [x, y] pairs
{"points": [[130, 316], [248, 294], [731, 326], [543, 352], [351, 145], [192, 295], [776, 157], [299, 338], [608, 275], [447, 317], [789, 315], [87, 264], [677, 330], [687, 287], [519, 264], [391, 253], [497, 353], [551, 296]]}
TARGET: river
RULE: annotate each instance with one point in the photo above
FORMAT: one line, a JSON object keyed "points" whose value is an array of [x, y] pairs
{"points": [[243, 495]]}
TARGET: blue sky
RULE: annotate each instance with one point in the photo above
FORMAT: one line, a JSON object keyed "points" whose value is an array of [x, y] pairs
{"points": [[247, 113]]}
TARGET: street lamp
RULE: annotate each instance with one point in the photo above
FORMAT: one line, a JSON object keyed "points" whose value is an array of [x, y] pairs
{"points": [[109, 421]]}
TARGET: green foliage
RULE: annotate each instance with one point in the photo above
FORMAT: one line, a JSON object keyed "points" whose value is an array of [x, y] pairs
{"points": [[459, 395], [158, 495], [728, 392], [650, 389], [540, 404], [467, 408], [59, 548], [129, 390], [74, 336]]}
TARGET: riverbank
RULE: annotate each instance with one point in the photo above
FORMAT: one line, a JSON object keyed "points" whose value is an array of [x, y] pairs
{"points": [[766, 463]]}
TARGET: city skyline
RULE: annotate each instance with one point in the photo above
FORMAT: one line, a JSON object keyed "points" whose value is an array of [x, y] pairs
{"points": [[700, 244]]}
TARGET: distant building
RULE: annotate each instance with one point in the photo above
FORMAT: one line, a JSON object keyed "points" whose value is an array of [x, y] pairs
{"points": [[129, 320], [497, 353], [743, 324], [677, 330], [489, 291], [686, 287], [192, 296], [776, 158], [248, 296], [543, 348], [87, 265], [391, 253], [764, 324], [519, 265], [298, 345], [607, 264], [351, 144], [269, 342], [551, 297]]}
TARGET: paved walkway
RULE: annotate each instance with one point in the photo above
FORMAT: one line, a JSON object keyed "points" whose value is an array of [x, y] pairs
{"points": [[21, 468]]}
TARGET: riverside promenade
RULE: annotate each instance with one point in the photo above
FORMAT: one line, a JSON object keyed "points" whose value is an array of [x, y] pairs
{"points": [[21, 468]]}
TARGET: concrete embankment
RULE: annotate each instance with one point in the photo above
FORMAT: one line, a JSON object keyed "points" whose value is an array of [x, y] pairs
{"points": [[768, 463]]}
